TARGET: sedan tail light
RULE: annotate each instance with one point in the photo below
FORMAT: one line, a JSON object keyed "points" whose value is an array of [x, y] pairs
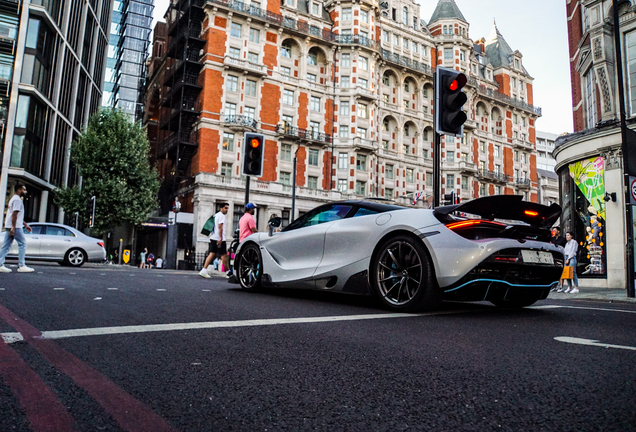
{"points": [[101, 244]]}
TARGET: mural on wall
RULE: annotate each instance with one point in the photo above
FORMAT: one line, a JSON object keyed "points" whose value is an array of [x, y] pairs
{"points": [[589, 177]]}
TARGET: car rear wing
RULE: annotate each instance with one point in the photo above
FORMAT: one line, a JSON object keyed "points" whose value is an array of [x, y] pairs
{"points": [[506, 207]]}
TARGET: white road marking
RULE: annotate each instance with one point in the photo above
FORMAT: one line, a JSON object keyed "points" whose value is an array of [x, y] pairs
{"points": [[161, 289], [590, 342], [112, 289], [100, 331], [1, 289], [97, 298], [58, 289], [102, 274], [207, 290], [73, 273], [40, 272]]}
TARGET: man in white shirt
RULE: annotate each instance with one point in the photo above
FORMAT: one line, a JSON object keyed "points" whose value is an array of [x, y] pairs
{"points": [[217, 241], [13, 225]]}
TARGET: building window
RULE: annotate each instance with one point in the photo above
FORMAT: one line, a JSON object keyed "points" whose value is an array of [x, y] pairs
{"points": [[315, 9], [385, 36], [288, 97], [226, 169], [429, 180], [406, 149], [363, 83], [448, 53], [314, 127], [482, 189], [630, 48], [285, 178], [361, 133], [288, 121], [396, 40], [385, 98], [415, 47], [385, 144], [343, 160], [516, 155], [343, 132], [342, 185], [344, 108], [590, 99], [389, 171], [364, 63], [497, 190], [363, 111], [386, 81], [232, 83], [230, 109], [465, 183], [285, 50], [228, 141], [346, 14], [462, 55], [252, 57], [345, 59], [344, 82], [405, 15], [409, 175], [450, 182], [450, 156], [313, 157], [234, 53], [314, 104], [361, 162], [497, 151], [285, 72], [361, 188], [250, 112], [312, 182], [364, 16], [405, 43], [250, 88], [255, 35], [285, 152], [235, 30], [497, 169], [388, 193], [425, 154], [312, 59], [385, 125], [30, 132]]}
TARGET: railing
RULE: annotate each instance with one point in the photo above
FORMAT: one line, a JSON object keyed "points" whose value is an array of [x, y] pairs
{"points": [[467, 166], [241, 120], [365, 143], [357, 40], [174, 138], [507, 99], [307, 134], [523, 182], [244, 64], [403, 61], [492, 175]]}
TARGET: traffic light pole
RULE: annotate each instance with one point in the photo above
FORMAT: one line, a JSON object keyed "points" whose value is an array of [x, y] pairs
{"points": [[247, 190], [437, 172]]}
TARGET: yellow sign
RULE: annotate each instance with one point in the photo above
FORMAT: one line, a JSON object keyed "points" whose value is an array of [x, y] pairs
{"points": [[126, 256]]}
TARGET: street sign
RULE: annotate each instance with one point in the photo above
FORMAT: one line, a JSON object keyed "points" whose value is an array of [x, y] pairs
{"points": [[126, 256], [632, 190]]}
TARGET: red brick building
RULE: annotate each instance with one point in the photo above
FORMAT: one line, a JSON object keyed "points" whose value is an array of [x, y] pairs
{"points": [[345, 87]]}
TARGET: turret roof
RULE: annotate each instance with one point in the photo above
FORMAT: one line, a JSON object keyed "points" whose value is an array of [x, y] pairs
{"points": [[446, 9]]}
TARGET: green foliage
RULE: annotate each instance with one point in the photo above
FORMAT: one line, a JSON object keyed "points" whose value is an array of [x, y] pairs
{"points": [[112, 158]]}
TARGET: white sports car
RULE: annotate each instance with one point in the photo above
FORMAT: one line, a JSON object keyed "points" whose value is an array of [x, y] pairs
{"points": [[493, 248]]}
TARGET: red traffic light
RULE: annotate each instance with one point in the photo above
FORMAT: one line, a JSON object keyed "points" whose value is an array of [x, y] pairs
{"points": [[255, 142], [454, 85]]}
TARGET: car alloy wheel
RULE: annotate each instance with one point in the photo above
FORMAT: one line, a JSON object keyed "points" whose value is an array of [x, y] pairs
{"points": [[402, 275], [75, 257], [250, 268]]}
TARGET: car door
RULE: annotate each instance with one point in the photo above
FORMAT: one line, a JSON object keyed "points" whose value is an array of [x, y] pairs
{"points": [[298, 249], [33, 241], [55, 242]]}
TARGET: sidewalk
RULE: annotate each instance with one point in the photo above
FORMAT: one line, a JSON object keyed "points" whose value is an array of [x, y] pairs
{"points": [[617, 295]]}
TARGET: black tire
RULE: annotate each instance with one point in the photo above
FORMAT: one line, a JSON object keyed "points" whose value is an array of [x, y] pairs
{"points": [[75, 257], [402, 276], [248, 267]]}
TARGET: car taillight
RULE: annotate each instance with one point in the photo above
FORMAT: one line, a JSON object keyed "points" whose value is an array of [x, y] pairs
{"points": [[476, 229], [101, 244]]}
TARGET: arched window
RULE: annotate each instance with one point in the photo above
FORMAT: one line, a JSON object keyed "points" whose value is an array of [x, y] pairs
{"points": [[405, 16], [444, 30], [286, 50]]}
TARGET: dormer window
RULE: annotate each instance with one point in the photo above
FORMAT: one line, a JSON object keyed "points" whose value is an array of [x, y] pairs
{"points": [[517, 63], [315, 9]]}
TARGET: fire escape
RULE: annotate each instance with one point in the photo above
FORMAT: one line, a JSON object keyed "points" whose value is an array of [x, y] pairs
{"points": [[179, 104]]}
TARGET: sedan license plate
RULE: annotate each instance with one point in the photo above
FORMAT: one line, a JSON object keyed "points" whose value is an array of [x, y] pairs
{"points": [[537, 257]]}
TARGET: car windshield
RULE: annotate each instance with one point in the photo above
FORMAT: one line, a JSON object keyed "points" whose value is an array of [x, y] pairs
{"points": [[320, 215]]}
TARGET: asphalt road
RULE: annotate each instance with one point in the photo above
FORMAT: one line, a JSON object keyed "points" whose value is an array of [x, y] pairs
{"points": [[110, 349]]}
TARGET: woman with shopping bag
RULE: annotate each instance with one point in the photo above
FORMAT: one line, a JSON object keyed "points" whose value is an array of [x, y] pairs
{"points": [[569, 271]]}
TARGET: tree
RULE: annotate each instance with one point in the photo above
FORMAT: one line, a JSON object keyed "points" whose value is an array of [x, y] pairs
{"points": [[112, 158]]}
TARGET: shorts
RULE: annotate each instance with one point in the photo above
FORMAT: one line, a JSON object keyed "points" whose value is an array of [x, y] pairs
{"points": [[219, 250]]}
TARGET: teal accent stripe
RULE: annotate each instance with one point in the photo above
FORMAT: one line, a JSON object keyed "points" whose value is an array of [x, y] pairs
{"points": [[504, 282]]}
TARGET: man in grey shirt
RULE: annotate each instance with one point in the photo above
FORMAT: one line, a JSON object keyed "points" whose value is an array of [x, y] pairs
{"points": [[13, 225]]}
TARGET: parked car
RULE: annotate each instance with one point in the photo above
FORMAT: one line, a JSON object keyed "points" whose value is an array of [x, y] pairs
{"points": [[61, 243], [495, 248]]}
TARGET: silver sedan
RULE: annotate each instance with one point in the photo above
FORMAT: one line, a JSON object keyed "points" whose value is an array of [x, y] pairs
{"points": [[61, 243]]}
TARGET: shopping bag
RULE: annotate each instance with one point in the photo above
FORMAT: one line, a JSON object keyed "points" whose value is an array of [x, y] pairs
{"points": [[568, 272], [208, 227]]}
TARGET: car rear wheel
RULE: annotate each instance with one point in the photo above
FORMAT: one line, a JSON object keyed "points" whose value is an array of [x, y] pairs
{"points": [[402, 276], [249, 268], [75, 257]]}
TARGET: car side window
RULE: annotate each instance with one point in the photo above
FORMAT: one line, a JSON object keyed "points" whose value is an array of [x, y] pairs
{"points": [[364, 212], [329, 214], [58, 231], [37, 229]]}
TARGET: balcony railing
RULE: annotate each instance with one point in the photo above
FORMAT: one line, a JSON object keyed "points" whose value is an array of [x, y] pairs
{"points": [[523, 182], [241, 120], [403, 61], [244, 64], [507, 99], [357, 40], [305, 134], [492, 175], [365, 143]]}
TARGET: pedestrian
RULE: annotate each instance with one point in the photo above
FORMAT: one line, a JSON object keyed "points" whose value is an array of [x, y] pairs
{"points": [[571, 248], [142, 256], [14, 225], [247, 224], [558, 240], [217, 241], [159, 263], [150, 260]]}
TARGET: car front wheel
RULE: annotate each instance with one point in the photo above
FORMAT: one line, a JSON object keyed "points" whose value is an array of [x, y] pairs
{"points": [[402, 276], [249, 267], [75, 257]]}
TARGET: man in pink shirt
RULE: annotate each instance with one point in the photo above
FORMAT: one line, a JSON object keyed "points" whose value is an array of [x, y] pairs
{"points": [[247, 224]]}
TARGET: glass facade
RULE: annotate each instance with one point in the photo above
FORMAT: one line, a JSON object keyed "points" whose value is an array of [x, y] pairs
{"points": [[583, 189], [127, 54]]}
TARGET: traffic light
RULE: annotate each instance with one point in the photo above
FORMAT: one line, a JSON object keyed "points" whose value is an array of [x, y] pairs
{"points": [[253, 153], [452, 198], [449, 100]]}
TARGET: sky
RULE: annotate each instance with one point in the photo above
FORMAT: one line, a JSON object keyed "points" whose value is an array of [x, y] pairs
{"points": [[537, 28]]}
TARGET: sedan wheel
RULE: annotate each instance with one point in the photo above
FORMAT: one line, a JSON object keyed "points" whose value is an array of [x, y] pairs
{"points": [[250, 268], [75, 257], [401, 276]]}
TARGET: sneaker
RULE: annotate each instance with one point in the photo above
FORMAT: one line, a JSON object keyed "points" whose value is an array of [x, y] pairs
{"points": [[229, 273], [4, 269], [574, 291], [554, 289], [567, 290], [204, 273], [25, 269], [560, 289]]}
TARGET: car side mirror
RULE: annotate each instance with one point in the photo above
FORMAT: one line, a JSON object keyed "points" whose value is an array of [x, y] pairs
{"points": [[273, 223]]}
